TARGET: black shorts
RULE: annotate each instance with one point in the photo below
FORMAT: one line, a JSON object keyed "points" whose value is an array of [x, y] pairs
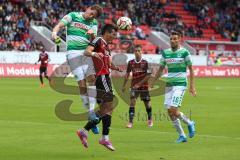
{"points": [[104, 89], [144, 94], [43, 70]]}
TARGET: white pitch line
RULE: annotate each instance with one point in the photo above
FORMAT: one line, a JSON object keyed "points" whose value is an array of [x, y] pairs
{"points": [[200, 135], [122, 129]]}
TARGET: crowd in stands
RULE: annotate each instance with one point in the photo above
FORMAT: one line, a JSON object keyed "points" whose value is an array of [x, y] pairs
{"points": [[221, 15], [17, 15]]}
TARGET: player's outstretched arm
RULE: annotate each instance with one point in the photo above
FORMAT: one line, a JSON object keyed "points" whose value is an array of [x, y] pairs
{"points": [[114, 67], [90, 52], [192, 89]]}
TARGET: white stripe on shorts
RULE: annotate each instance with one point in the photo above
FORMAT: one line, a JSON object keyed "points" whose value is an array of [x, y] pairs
{"points": [[105, 83]]}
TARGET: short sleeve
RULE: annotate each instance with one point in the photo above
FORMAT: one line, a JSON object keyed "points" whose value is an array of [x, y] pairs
{"points": [[129, 68], [188, 58], [162, 61], [95, 42], [67, 19]]}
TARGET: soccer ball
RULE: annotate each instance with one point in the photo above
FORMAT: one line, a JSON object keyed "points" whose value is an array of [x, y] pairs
{"points": [[124, 23]]}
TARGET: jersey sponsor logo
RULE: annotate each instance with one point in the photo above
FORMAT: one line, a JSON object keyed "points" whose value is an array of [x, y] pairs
{"points": [[136, 70], [175, 60], [80, 25]]}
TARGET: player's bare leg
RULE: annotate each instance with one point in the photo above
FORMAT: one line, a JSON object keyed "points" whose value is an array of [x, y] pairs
{"points": [[83, 92], [149, 112], [131, 112]]}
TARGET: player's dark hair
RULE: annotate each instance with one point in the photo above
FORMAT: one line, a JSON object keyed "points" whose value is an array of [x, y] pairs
{"points": [[138, 46], [98, 9], [178, 33], [108, 28]]}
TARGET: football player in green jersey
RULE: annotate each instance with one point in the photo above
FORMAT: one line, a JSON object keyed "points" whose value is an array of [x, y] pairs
{"points": [[177, 59], [81, 28]]}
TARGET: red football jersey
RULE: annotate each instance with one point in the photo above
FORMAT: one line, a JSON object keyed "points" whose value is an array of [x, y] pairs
{"points": [[43, 58], [101, 65], [139, 71]]}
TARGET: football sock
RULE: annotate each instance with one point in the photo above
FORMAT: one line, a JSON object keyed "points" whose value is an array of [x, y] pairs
{"points": [[178, 126], [106, 122], [84, 98], [105, 137], [149, 112], [131, 113], [92, 93], [185, 119]]}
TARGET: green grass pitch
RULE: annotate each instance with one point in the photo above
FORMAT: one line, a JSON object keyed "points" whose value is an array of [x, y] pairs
{"points": [[30, 130]]}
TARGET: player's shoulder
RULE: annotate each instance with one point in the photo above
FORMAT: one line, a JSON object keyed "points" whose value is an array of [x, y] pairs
{"points": [[166, 51], [94, 22], [144, 60], [75, 14], [98, 39], [185, 51], [131, 61]]}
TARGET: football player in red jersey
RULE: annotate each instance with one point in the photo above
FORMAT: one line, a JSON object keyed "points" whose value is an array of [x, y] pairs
{"points": [[98, 49], [140, 70], [44, 59]]}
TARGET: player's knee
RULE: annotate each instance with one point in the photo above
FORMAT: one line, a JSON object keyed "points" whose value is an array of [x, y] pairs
{"points": [[82, 83], [147, 103], [171, 113], [91, 80], [96, 121]]}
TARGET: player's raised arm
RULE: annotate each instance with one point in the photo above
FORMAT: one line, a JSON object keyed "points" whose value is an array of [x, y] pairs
{"points": [[56, 29], [66, 20]]}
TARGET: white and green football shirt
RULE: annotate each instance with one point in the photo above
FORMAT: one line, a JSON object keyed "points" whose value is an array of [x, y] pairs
{"points": [[176, 62], [77, 27]]}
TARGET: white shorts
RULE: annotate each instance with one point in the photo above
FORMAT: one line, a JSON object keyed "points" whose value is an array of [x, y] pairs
{"points": [[81, 66], [174, 96]]}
